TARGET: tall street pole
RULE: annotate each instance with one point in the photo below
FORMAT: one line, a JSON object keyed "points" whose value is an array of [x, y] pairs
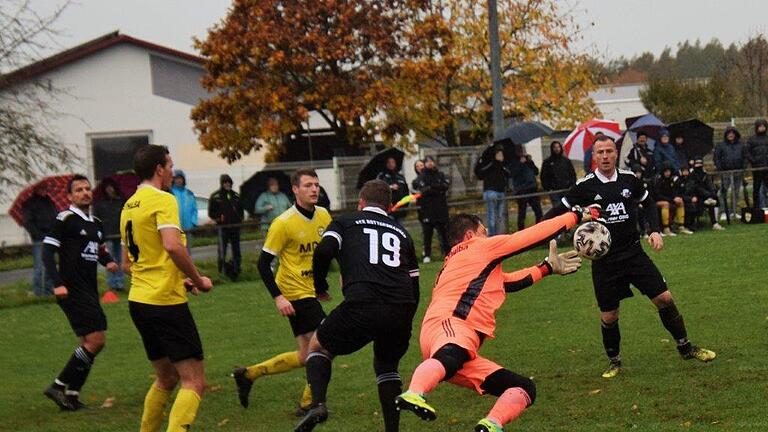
{"points": [[496, 85]]}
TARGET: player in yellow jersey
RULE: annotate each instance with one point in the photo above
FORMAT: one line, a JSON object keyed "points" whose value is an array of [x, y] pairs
{"points": [[155, 253], [292, 236]]}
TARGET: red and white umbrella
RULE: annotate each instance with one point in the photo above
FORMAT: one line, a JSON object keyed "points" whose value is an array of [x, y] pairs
{"points": [[580, 140]]}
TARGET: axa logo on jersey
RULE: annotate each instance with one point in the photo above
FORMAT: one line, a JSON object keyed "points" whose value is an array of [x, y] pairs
{"points": [[90, 251], [616, 209]]}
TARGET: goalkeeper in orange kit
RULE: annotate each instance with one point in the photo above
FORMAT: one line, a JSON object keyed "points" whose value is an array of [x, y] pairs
{"points": [[469, 290]]}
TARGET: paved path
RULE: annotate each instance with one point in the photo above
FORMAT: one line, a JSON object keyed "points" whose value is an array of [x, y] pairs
{"points": [[198, 253]]}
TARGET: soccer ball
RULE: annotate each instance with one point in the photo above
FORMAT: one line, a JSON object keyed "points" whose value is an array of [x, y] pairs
{"points": [[592, 240]]}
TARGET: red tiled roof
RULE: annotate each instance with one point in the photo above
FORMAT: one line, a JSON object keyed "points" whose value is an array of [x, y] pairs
{"points": [[84, 50]]}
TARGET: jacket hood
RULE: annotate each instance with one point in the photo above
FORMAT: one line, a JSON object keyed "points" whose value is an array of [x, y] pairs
{"points": [[759, 122], [552, 148], [224, 179], [180, 173], [731, 129]]}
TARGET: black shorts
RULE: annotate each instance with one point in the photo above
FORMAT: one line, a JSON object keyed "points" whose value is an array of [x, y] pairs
{"points": [[612, 279], [85, 316], [167, 331], [309, 315], [353, 325]]}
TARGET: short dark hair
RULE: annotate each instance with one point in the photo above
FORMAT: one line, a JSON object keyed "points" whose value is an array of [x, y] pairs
{"points": [[376, 193], [147, 158], [76, 177], [603, 138], [459, 224], [296, 177]]}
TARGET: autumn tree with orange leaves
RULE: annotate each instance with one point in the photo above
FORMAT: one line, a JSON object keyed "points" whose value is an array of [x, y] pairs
{"points": [[269, 63], [448, 83]]}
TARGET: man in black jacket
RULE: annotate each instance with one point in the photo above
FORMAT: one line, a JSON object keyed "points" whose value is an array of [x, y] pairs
{"points": [[39, 216], [396, 181], [225, 209], [433, 186], [641, 155], [557, 172], [495, 175], [757, 154], [108, 209]]}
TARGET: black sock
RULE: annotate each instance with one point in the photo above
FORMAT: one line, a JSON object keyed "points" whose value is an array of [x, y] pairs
{"points": [[675, 325], [390, 386], [318, 376], [81, 368], [611, 340]]}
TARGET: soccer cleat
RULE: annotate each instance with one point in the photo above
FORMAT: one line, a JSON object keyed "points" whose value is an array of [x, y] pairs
{"points": [[59, 398], [243, 385], [717, 227], [684, 230], [614, 368], [75, 402], [700, 354], [427, 260], [315, 415], [415, 403], [486, 425]]}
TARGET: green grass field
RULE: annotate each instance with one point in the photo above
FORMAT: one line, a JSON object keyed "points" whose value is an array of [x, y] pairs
{"points": [[550, 332]]}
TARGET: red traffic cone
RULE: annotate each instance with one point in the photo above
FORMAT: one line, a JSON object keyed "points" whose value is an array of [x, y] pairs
{"points": [[109, 297]]}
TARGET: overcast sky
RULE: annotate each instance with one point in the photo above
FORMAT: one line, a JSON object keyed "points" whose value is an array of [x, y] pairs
{"points": [[611, 27]]}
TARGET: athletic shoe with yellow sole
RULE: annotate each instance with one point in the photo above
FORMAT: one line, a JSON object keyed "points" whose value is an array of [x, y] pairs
{"points": [[486, 425], [415, 403], [700, 354], [614, 368]]}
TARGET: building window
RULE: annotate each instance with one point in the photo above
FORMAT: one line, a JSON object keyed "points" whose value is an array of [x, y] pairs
{"points": [[113, 153]]}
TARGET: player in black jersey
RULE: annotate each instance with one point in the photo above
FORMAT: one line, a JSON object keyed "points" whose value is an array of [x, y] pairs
{"points": [[380, 277], [78, 238], [619, 192]]}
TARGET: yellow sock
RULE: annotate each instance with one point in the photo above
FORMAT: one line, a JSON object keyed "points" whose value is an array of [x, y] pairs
{"points": [[665, 217], [154, 405], [306, 397], [680, 215], [277, 364], [184, 410]]}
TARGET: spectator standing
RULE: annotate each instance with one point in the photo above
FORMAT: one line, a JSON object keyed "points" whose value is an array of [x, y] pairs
{"points": [[396, 181], [271, 204], [108, 211], [642, 156], [433, 186], [730, 154], [557, 172], [683, 158], [187, 205], [757, 153], [39, 214], [225, 209], [323, 200], [495, 175], [664, 153], [524, 172]]}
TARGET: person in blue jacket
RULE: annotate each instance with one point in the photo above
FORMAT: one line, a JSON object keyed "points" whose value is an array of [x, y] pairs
{"points": [[187, 205]]}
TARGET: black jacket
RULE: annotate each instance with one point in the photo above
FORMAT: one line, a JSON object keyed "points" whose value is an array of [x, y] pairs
{"points": [[108, 210], [524, 175], [666, 188], [224, 207], [705, 187], [494, 174], [433, 186], [757, 146], [730, 155], [633, 159], [557, 173], [39, 216], [682, 156], [394, 177]]}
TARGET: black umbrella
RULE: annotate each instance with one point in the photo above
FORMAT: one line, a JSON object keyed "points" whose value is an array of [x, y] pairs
{"points": [[378, 163], [520, 132], [257, 184], [697, 136]]}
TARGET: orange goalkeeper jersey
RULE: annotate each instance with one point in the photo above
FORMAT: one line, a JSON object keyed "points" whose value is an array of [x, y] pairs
{"points": [[471, 285]]}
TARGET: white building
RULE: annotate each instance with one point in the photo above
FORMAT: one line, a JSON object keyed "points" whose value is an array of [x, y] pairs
{"points": [[617, 102], [124, 92]]}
